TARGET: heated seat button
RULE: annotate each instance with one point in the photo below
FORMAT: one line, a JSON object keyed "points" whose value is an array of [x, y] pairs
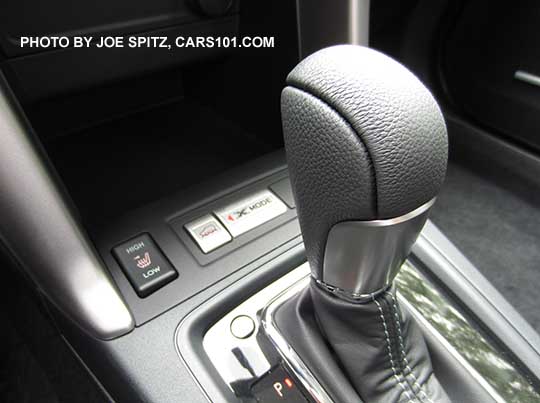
{"points": [[144, 264], [208, 232]]}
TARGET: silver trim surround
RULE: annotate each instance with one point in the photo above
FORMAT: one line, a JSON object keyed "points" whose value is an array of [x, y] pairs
{"points": [[451, 350], [223, 348], [527, 77], [291, 358], [362, 258], [219, 343], [41, 232]]}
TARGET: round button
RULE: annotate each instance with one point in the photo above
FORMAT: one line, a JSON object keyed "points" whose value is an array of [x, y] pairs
{"points": [[242, 327]]}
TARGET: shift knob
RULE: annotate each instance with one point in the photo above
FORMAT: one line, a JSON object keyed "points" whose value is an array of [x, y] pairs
{"points": [[367, 152]]}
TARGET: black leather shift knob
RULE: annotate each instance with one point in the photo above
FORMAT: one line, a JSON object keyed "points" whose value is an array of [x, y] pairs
{"points": [[365, 140]]}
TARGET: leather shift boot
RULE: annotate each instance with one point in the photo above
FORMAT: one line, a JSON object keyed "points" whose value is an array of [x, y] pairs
{"points": [[378, 349]]}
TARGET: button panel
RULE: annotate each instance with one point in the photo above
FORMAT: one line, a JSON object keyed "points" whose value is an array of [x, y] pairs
{"points": [[250, 212], [144, 264], [208, 232]]}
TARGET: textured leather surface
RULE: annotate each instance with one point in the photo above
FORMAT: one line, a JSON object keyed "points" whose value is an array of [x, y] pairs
{"points": [[327, 189], [364, 138], [377, 345]]}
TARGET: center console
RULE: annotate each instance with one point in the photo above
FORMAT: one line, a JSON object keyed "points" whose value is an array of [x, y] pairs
{"points": [[221, 268], [315, 277], [212, 331]]}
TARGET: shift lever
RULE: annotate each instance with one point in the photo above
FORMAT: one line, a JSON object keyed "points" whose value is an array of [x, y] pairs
{"points": [[367, 151]]}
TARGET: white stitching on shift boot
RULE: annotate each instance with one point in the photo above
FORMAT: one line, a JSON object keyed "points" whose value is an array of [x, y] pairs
{"points": [[389, 346], [400, 338]]}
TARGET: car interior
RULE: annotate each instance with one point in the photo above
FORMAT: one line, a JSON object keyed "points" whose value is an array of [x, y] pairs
{"points": [[349, 213]]}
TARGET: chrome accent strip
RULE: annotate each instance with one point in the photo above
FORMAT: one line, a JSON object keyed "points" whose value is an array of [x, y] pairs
{"points": [[443, 260], [451, 350], [452, 325], [293, 361], [527, 77], [43, 235], [363, 257], [350, 296]]}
